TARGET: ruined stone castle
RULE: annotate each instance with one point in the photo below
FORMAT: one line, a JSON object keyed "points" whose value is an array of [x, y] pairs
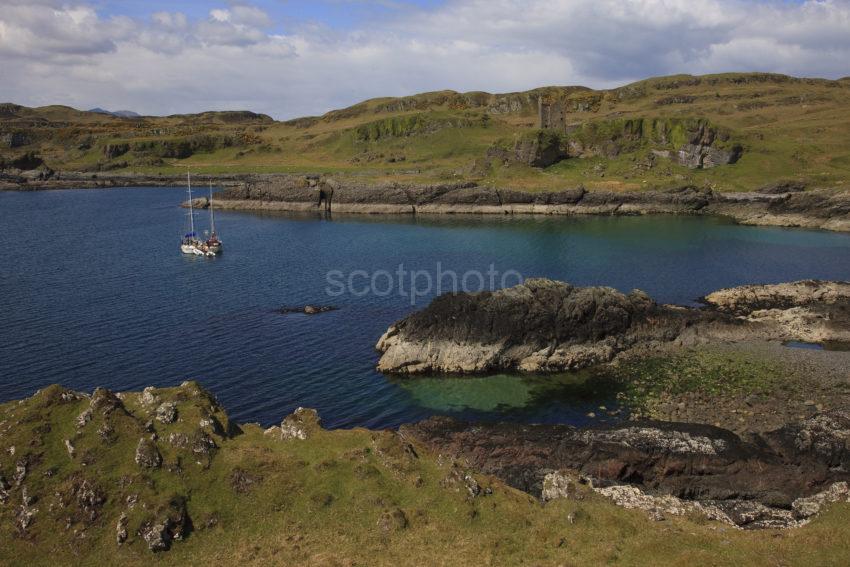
{"points": [[551, 115]]}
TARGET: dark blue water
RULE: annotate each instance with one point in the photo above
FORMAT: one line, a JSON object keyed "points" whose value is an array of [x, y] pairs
{"points": [[93, 291]]}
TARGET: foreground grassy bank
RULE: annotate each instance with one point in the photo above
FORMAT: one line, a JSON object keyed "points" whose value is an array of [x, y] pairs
{"points": [[165, 469]]}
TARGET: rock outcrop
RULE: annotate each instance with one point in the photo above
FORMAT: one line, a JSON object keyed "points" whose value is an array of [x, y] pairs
{"points": [[147, 454], [779, 479], [540, 149], [535, 326], [544, 325], [697, 156], [809, 310], [300, 424]]}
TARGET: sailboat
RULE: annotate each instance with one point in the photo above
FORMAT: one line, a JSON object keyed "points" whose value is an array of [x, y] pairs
{"points": [[191, 244], [213, 243]]}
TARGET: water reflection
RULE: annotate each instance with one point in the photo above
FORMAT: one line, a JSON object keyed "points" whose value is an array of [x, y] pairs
{"points": [[577, 392]]}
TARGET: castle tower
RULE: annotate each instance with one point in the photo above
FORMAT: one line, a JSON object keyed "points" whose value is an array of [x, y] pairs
{"points": [[540, 121]]}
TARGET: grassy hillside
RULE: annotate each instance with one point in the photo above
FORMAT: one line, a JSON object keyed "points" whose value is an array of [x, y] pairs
{"points": [[786, 128], [74, 486]]}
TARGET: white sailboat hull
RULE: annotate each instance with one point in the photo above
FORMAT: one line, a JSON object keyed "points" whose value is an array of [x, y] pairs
{"points": [[191, 245]]}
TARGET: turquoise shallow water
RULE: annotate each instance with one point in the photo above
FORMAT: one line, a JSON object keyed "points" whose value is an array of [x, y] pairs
{"points": [[93, 291]]}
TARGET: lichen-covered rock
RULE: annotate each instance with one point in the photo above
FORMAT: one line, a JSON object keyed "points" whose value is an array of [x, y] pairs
{"points": [[147, 454], [203, 447], [810, 506], [170, 524], [89, 499], [300, 424], [104, 401], [149, 397], [754, 515], [156, 536], [166, 412], [121, 529], [809, 310], [179, 440], [21, 469], [826, 435], [560, 484], [657, 507], [84, 417], [655, 440], [747, 299], [24, 517]]}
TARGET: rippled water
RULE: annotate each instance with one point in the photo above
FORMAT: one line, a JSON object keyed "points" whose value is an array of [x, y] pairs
{"points": [[93, 291]]}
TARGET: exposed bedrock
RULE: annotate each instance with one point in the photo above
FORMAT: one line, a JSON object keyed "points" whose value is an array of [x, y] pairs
{"points": [[808, 310], [776, 479], [544, 325]]}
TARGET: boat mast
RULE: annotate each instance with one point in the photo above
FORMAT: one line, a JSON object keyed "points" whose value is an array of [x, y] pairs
{"points": [[191, 209], [212, 215]]}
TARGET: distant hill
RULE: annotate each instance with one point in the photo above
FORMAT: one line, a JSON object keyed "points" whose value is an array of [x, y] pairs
{"points": [[735, 131], [121, 113]]}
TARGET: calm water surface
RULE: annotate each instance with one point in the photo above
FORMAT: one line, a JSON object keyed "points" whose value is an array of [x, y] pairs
{"points": [[94, 292]]}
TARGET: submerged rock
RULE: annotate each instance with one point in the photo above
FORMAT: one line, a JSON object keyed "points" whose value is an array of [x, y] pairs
{"points": [[307, 309]]}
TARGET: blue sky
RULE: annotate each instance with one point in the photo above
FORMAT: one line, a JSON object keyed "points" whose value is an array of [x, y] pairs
{"points": [[291, 58], [338, 14]]}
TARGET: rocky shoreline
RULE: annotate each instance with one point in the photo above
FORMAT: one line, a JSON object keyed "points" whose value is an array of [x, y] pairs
{"points": [[776, 205], [770, 480], [784, 204], [544, 326]]}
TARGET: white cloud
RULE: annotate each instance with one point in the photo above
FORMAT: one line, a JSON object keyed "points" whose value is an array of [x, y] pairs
{"points": [[53, 52], [220, 15]]}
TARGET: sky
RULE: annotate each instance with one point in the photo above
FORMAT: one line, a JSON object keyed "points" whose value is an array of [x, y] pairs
{"points": [[290, 58]]}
